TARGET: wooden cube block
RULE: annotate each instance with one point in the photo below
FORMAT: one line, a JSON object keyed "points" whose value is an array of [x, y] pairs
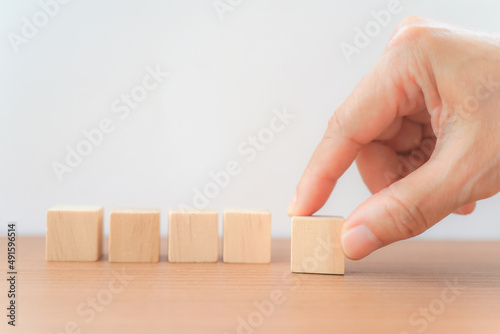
{"points": [[134, 235], [193, 235], [316, 245], [74, 233], [247, 236]]}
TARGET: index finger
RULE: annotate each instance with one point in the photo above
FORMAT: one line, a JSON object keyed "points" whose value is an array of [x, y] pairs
{"points": [[369, 111]]}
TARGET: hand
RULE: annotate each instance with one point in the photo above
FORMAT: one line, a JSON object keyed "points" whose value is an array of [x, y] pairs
{"points": [[424, 128]]}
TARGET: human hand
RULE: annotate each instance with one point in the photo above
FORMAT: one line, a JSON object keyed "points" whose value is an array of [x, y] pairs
{"points": [[424, 128]]}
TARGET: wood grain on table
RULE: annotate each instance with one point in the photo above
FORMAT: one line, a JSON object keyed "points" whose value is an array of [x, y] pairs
{"points": [[409, 287]]}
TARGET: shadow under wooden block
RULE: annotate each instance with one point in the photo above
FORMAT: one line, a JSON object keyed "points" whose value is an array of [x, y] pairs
{"points": [[247, 236], [74, 233], [316, 245], [134, 235], [193, 235]]}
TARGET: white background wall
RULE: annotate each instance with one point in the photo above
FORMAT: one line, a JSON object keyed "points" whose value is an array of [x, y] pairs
{"points": [[226, 77]]}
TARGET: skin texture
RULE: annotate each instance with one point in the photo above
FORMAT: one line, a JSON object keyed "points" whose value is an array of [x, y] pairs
{"points": [[424, 129]]}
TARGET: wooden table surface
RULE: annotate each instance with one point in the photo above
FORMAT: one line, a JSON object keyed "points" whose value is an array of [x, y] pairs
{"points": [[409, 287]]}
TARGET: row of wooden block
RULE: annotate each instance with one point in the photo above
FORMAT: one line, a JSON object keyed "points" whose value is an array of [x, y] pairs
{"points": [[75, 233]]}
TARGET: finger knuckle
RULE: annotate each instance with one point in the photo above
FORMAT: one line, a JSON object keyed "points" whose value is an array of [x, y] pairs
{"points": [[407, 218], [410, 20], [334, 124], [412, 31], [339, 125]]}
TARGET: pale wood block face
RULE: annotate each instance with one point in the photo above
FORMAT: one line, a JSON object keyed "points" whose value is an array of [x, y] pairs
{"points": [[247, 236], [74, 233], [134, 235], [316, 245], [193, 235]]}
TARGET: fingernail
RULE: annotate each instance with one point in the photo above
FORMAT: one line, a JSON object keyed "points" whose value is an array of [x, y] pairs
{"points": [[359, 241], [291, 206]]}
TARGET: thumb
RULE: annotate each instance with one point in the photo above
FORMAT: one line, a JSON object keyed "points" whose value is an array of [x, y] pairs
{"points": [[404, 209]]}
